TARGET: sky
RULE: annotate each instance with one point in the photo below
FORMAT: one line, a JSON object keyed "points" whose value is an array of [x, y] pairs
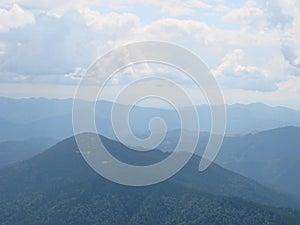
{"points": [[252, 48]]}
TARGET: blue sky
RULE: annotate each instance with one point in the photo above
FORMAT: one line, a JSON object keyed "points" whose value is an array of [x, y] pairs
{"points": [[251, 47]]}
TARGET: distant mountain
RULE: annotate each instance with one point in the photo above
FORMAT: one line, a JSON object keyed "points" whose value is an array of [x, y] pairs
{"points": [[27, 110], [11, 131], [271, 157], [58, 187], [16, 151], [259, 117], [28, 118]]}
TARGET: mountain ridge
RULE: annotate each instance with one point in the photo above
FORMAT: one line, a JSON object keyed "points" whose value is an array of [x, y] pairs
{"points": [[58, 187]]}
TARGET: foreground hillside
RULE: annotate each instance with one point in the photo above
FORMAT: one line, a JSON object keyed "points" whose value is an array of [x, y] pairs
{"points": [[104, 203], [58, 187]]}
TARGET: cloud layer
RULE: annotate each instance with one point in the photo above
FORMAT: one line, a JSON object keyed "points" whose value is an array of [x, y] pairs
{"points": [[249, 46]]}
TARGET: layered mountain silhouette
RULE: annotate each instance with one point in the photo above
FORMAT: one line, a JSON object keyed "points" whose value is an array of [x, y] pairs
{"points": [[58, 187], [16, 151], [271, 157], [30, 118]]}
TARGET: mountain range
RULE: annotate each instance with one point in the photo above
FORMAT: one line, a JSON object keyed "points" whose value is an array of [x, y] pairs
{"points": [[37, 117], [270, 157], [58, 187], [256, 182]]}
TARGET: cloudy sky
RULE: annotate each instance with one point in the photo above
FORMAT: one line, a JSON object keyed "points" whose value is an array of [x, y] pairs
{"points": [[251, 47]]}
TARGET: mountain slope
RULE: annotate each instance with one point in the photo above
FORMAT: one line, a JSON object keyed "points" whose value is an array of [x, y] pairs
{"points": [[65, 161], [271, 157], [16, 151], [58, 187], [106, 203]]}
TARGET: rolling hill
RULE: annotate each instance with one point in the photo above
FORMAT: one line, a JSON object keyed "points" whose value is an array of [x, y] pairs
{"points": [[58, 187]]}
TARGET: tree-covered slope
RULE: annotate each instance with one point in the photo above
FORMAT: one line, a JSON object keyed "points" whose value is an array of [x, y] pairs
{"points": [[58, 187], [106, 203]]}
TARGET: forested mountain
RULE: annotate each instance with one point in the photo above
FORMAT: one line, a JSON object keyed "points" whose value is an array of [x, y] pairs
{"points": [[270, 157], [58, 187]]}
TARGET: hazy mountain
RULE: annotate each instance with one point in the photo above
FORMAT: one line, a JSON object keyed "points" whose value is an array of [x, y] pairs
{"points": [[11, 131], [258, 117], [28, 110], [28, 118], [58, 187], [22, 119], [271, 157], [16, 151]]}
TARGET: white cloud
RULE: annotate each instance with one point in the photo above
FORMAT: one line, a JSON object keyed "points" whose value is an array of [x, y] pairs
{"points": [[177, 8], [248, 17], [77, 74], [109, 22], [166, 29], [233, 74], [15, 17], [291, 85], [171, 7], [66, 36], [197, 32], [231, 66], [291, 52], [285, 16], [278, 67], [52, 46], [290, 47]]}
